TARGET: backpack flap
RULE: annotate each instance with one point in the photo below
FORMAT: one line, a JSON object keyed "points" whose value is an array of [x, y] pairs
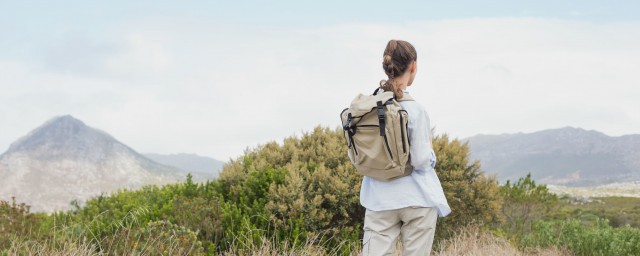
{"points": [[363, 104]]}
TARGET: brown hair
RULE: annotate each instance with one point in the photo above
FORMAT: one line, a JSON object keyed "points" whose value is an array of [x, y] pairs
{"points": [[397, 58]]}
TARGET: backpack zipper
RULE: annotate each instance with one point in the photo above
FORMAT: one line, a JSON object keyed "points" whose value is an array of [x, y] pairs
{"points": [[404, 147], [388, 148]]}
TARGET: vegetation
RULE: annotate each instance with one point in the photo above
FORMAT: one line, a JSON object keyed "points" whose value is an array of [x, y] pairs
{"points": [[619, 211], [525, 202], [473, 197], [301, 197], [580, 239]]}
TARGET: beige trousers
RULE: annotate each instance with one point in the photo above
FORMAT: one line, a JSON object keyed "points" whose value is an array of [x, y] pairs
{"points": [[415, 226]]}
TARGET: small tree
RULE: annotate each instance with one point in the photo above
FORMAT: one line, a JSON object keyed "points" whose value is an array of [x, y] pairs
{"points": [[525, 202]]}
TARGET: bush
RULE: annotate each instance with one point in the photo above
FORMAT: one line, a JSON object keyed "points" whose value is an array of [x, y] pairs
{"points": [[472, 196], [598, 239], [297, 190], [308, 185], [16, 221], [524, 203]]}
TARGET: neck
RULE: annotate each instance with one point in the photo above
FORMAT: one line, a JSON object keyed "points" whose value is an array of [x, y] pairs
{"points": [[403, 81]]}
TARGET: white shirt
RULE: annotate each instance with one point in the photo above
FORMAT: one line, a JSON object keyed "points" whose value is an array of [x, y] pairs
{"points": [[420, 189]]}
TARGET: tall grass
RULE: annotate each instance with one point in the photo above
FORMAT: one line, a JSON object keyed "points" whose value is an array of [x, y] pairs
{"points": [[470, 241], [126, 237]]}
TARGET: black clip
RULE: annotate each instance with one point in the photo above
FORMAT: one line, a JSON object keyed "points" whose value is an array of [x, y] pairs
{"points": [[381, 120], [346, 126]]}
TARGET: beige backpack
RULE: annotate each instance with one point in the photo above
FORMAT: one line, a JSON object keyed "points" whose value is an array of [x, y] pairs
{"points": [[375, 128]]}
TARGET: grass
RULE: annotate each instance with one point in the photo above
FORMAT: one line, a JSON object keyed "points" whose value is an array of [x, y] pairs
{"points": [[620, 211], [129, 237], [470, 241]]}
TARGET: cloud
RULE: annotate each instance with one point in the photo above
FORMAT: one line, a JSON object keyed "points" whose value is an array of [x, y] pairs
{"points": [[191, 86]]}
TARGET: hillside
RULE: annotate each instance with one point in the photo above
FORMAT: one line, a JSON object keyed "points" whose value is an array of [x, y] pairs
{"points": [[65, 160], [565, 156]]}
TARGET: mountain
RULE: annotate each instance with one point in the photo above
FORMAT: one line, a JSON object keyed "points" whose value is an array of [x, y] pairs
{"points": [[565, 156], [65, 160], [205, 167]]}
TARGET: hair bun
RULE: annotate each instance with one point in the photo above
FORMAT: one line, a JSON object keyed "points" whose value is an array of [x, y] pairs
{"points": [[387, 59]]}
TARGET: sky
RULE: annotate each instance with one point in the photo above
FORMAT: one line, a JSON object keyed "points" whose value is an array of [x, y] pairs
{"points": [[215, 78]]}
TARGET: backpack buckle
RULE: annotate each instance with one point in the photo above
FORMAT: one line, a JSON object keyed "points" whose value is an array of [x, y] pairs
{"points": [[381, 120], [347, 125], [380, 110]]}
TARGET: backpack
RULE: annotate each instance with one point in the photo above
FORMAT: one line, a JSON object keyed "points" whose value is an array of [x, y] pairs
{"points": [[375, 128]]}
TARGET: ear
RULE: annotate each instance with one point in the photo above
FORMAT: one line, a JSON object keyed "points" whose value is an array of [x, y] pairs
{"points": [[414, 66]]}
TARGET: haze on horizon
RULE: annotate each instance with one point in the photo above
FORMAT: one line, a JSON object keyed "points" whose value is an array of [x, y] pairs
{"points": [[214, 78]]}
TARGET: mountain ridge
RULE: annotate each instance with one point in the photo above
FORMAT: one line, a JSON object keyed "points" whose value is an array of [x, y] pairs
{"points": [[560, 156]]}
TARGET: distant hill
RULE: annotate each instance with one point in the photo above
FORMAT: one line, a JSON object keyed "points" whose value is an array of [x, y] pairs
{"points": [[198, 165], [64, 159], [565, 156]]}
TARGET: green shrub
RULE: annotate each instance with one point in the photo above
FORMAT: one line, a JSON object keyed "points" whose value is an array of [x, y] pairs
{"points": [[472, 196], [17, 221], [597, 239], [297, 190], [524, 203], [308, 186]]}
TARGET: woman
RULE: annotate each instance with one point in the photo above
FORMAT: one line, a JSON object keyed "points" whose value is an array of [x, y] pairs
{"points": [[405, 206]]}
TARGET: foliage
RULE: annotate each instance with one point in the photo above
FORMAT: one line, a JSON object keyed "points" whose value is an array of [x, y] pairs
{"points": [[476, 240], [310, 186], [620, 211], [301, 193], [524, 203], [299, 189], [597, 239], [473, 196], [156, 238], [16, 221]]}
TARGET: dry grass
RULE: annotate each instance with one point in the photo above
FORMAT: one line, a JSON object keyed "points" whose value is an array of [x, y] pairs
{"points": [[470, 241], [32, 248], [314, 246]]}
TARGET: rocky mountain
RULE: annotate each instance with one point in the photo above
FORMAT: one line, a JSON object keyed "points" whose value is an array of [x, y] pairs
{"points": [[205, 167], [64, 160], [565, 156]]}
